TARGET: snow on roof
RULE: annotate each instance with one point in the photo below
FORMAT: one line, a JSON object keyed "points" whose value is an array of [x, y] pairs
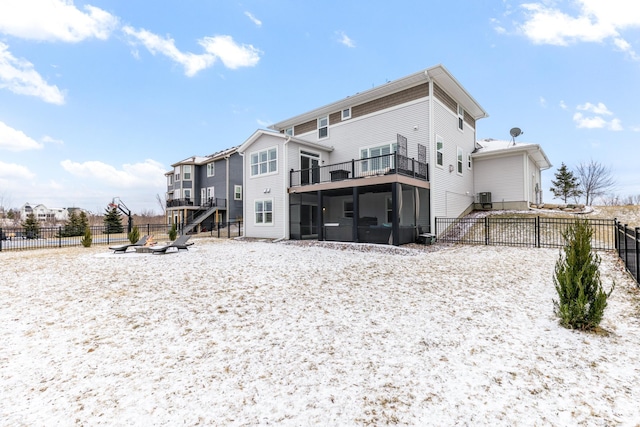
{"points": [[489, 147]]}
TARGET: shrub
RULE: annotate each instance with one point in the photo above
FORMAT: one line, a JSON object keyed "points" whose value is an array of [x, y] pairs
{"points": [[86, 239], [134, 235], [581, 299], [173, 232]]}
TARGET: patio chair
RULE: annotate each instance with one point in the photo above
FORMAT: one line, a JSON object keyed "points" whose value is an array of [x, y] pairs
{"points": [[123, 248], [179, 243]]}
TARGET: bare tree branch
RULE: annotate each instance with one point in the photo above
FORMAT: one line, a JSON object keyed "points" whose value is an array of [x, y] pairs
{"points": [[595, 180]]}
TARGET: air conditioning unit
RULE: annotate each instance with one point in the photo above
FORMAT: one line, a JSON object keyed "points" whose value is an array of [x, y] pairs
{"points": [[484, 198]]}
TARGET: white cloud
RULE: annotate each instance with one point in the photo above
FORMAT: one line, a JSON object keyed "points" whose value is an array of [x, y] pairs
{"points": [[543, 102], [596, 122], [14, 172], [192, 63], [15, 140], [563, 105], [253, 19], [19, 76], [344, 39], [593, 21], [49, 140], [598, 108], [54, 20], [230, 53], [132, 176]]}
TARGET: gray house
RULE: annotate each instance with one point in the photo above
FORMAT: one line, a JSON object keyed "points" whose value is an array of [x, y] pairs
{"points": [[203, 190]]}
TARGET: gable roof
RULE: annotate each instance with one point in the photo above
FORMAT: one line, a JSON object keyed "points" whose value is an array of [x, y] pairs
{"points": [[260, 132], [437, 73], [490, 147]]}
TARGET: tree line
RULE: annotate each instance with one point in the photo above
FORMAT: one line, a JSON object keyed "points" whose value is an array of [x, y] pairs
{"points": [[589, 181]]}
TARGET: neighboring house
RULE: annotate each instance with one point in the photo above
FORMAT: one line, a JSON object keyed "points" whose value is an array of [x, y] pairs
{"points": [[377, 166], [204, 190], [507, 174], [45, 214]]}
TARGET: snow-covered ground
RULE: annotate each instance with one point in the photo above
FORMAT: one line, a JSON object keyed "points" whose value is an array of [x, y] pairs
{"points": [[257, 333]]}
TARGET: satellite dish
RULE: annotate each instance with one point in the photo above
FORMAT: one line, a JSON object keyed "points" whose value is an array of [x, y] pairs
{"points": [[515, 132]]}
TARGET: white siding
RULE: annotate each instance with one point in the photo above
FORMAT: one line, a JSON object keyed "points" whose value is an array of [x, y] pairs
{"points": [[255, 187], [504, 177], [410, 120], [451, 194]]}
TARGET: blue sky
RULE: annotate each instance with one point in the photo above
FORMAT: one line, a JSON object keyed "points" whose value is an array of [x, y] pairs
{"points": [[98, 98]]}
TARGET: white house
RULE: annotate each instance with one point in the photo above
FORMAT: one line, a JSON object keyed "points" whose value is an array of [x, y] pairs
{"points": [[378, 166], [45, 214]]}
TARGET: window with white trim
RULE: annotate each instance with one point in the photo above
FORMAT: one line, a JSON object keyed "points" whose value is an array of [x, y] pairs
{"points": [[170, 179], [187, 193], [186, 172], [289, 131], [176, 173], [264, 162], [346, 113], [211, 169], [439, 151], [237, 192], [323, 127], [460, 117], [469, 161], [459, 160], [264, 212], [379, 158]]}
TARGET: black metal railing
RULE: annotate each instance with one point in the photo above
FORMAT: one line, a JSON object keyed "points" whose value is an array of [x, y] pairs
{"points": [[628, 248], [220, 229], [197, 202], [540, 232], [385, 164], [19, 238]]}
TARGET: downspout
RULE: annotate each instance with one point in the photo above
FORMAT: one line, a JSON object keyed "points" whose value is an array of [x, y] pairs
{"points": [[432, 155], [226, 158], [244, 205], [285, 186]]}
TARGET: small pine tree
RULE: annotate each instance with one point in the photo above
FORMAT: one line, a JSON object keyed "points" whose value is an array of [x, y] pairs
{"points": [[86, 239], [173, 232], [134, 236], [581, 299], [74, 225], [31, 227], [113, 221], [566, 184]]}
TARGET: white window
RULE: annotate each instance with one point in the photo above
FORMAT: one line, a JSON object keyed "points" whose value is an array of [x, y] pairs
{"points": [[186, 172], [176, 194], [469, 161], [264, 211], [460, 117], [237, 192], [379, 158], [187, 193], [346, 113], [289, 131], [323, 127], [207, 195], [211, 169], [176, 173], [439, 151], [170, 179], [264, 162], [459, 160]]}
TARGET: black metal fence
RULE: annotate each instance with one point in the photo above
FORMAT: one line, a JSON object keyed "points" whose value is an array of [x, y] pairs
{"points": [[219, 229], [539, 232], [628, 247], [19, 238]]}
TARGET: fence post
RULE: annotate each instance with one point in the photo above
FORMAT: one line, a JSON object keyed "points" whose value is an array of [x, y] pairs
{"points": [[228, 229], [1, 234], [615, 239], [486, 230], [626, 249], [537, 226], [59, 237], [637, 236]]}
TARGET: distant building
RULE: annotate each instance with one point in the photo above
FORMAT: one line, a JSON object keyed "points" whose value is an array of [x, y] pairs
{"points": [[45, 214]]}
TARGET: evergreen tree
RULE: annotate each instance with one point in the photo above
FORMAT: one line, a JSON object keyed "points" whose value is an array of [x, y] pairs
{"points": [[581, 300], [31, 226], [134, 236], [113, 221], [566, 184], [75, 225], [86, 239]]}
